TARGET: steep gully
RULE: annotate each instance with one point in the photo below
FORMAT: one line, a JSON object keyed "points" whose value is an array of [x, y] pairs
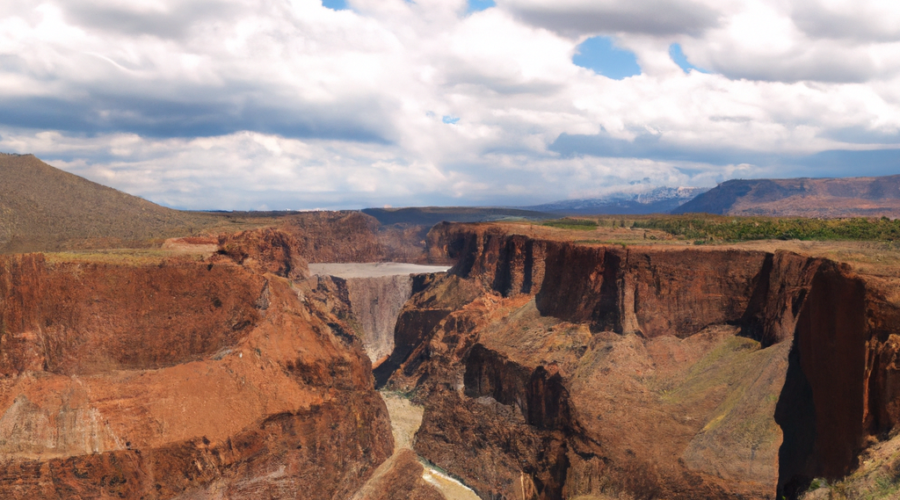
{"points": [[554, 370], [375, 292]]}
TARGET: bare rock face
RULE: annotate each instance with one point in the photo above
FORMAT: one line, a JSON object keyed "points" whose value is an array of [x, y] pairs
{"points": [[551, 370], [185, 379], [351, 236], [336, 236], [376, 303], [265, 251]]}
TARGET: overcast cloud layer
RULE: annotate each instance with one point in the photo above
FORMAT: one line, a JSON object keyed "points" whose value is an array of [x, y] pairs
{"points": [[254, 104]]}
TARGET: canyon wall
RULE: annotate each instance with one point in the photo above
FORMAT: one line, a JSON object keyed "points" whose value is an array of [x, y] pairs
{"points": [[350, 236], [233, 377], [375, 304], [550, 369]]}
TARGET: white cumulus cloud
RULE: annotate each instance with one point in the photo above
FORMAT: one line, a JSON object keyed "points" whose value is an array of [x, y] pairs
{"points": [[288, 104]]}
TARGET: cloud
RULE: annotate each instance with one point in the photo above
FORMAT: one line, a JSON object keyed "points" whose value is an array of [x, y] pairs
{"points": [[860, 21], [818, 40], [290, 104], [145, 18], [592, 17]]}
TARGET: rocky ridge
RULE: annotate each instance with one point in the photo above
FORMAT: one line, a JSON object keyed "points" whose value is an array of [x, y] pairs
{"points": [[350, 236], [802, 197]]}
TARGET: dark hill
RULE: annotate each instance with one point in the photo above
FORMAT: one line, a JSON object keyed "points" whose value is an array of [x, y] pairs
{"points": [[430, 216], [804, 197], [43, 208]]}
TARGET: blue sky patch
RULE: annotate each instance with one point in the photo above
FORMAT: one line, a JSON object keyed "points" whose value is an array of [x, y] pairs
{"points": [[600, 54], [477, 5], [680, 59], [335, 4], [450, 120]]}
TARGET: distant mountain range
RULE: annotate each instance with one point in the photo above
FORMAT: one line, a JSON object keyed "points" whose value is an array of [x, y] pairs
{"points": [[804, 197], [657, 201], [432, 215], [45, 209]]}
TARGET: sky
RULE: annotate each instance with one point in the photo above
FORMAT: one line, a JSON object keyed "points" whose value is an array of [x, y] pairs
{"points": [[304, 104]]}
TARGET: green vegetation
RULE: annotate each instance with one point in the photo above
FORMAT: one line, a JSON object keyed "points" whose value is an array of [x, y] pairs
{"points": [[407, 395], [721, 228], [877, 478], [576, 224], [817, 483]]}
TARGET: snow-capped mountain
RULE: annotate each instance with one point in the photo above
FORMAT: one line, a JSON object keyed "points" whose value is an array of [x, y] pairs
{"points": [[659, 200]]}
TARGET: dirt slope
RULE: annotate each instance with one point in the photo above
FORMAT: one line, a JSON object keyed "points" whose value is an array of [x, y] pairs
{"points": [[44, 208]]}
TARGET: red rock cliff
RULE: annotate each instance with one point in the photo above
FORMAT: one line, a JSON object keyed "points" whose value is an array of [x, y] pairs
{"points": [[182, 379], [354, 237], [627, 374]]}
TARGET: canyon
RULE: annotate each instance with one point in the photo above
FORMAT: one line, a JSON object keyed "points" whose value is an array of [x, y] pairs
{"points": [[375, 294], [549, 369], [538, 366]]}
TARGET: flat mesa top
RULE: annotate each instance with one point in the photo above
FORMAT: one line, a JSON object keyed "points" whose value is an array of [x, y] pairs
{"points": [[372, 269]]}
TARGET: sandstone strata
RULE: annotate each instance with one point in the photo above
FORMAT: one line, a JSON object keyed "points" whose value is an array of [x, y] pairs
{"points": [[230, 378], [551, 370]]}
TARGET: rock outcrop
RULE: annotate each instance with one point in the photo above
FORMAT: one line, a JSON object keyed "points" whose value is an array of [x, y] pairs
{"points": [[229, 378], [351, 236], [550, 369]]}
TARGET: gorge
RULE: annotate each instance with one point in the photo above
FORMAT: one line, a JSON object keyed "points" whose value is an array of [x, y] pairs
{"points": [[541, 368]]}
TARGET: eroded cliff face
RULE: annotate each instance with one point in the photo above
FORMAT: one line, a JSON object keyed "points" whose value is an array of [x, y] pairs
{"points": [[351, 236], [229, 378], [551, 370], [375, 304], [376, 293]]}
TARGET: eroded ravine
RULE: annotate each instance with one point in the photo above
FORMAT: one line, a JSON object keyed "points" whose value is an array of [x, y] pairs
{"points": [[533, 370], [405, 474]]}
